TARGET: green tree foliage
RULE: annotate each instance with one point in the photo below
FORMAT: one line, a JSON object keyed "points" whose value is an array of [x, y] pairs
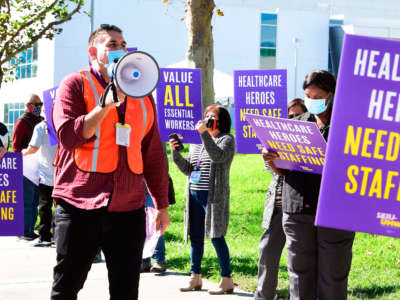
{"points": [[24, 22]]}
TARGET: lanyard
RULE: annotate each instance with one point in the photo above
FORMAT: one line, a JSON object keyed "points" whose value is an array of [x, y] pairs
{"points": [[200, 157], [122, 111]]}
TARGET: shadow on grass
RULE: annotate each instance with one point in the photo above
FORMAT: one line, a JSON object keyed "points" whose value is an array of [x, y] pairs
{"points": [[170, 236], [373, 292], [178, 263]]}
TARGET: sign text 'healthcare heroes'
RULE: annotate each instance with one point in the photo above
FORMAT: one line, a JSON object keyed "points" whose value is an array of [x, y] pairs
{"points": [[257, 92], [299, 144]]}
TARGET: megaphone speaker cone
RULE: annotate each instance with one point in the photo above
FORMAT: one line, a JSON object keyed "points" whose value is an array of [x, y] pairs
{"points": [[137, 74]]}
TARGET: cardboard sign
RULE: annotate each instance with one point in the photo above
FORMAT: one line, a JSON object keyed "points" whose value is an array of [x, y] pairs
{"points": [[300, 145], [257, 92], [11, 195], [179, 104], [361, 181], [49, 96]]}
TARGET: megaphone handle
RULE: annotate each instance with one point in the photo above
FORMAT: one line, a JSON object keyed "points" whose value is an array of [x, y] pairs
{"points": [[102, 101], [114, 90]]}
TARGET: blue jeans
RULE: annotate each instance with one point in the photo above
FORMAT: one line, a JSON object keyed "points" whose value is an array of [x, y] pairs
{"points": [[197, 212], [159, 252], [31, 202]]}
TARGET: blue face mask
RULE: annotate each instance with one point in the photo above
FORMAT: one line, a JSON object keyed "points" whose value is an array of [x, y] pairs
{"points": [[315, 106], [37, 111], [112, 56]]}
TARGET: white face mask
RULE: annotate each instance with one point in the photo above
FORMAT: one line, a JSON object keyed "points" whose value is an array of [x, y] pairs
{"points": [[315, 106]]}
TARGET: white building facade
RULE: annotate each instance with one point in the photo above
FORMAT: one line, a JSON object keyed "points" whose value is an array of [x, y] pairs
{"points": [[253, 34]]}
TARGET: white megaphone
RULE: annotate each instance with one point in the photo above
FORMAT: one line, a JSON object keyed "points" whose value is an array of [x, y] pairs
{"points": [[136, 74]]}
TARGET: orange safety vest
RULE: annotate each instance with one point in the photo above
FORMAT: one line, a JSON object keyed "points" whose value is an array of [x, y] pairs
{"points": [[101, 154]]}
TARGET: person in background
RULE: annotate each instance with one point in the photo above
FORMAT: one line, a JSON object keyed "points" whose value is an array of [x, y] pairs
{"points": [[4, 140], [40, 141], [273, 238], [23, 130], [105, 152], [318, 258], [159, 252], [207, 201]]}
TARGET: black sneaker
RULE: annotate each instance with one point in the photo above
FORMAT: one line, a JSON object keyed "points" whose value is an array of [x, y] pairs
{"points": [[158, 267], [29, 238], [41, 243]]}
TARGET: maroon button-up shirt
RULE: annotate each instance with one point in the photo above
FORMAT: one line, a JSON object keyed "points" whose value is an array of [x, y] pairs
{"points": [[121, 190]]}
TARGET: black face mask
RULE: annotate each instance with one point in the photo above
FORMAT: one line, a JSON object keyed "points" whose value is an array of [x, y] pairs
{"points": [[211, 123]]}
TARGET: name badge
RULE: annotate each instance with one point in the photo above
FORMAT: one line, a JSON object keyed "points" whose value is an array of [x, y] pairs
{"points": [[195, 177], [123, 132]]}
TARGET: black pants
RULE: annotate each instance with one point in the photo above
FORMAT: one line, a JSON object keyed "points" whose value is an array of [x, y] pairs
{"points": [[45, 213], [318, 259], [79, 234]]}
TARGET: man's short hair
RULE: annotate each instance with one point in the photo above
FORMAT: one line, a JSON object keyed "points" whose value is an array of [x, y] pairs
{"points": [[31, 98], [103, 28]]}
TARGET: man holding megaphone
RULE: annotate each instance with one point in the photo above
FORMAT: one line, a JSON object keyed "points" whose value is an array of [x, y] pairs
{"points": [[108, 144]]}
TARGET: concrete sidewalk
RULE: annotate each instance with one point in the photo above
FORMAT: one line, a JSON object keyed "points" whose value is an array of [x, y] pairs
{"points": [[26, 274]]}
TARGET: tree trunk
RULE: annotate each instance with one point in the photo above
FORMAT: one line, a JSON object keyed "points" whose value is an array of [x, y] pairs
{"points": [[200, 53], [1, 76]]}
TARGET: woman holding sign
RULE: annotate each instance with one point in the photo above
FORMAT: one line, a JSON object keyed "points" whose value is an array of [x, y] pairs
{"points": [[318, 258], [273, 238], [207, 193]]}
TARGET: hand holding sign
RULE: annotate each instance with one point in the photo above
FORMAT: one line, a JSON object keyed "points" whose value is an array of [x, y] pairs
{"points": [[299, 144], [269, 156]]}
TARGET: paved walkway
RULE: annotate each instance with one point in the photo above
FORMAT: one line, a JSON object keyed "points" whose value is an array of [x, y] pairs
{"points": [[26, 274]]}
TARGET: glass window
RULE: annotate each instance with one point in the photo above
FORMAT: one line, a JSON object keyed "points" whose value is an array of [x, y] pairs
{"points": [[24, 64], [268, 62], [34, 70], [335, 22], [6, 113], [268, 36], [12, 111], [268, 19], [35, 52], [268, 41], [23, 68]]}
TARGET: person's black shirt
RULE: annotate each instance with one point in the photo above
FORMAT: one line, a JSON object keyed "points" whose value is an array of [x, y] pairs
{"points": [[301, 190]]}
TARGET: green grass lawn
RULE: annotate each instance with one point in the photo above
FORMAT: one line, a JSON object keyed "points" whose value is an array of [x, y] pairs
{"points": [[375, 272]]}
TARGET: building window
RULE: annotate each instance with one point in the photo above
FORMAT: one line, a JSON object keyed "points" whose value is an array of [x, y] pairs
{"points": [[12, 111], [334, 58], [25, 64], [268, 41]]}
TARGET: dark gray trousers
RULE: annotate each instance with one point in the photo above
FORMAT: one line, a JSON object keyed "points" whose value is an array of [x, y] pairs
{"points": [[318, 258], [270, 249]]}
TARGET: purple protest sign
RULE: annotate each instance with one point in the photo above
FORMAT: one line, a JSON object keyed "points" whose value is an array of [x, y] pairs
{"points": [[49, 96], [258, 92], [360, 188], [299, 144], [11, 195], [179, 103]]}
